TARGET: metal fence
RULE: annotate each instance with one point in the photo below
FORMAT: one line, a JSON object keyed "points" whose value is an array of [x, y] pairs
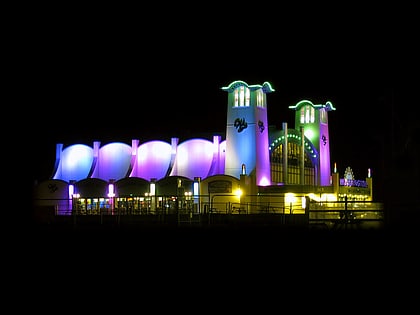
{"points": [[312, 214]]}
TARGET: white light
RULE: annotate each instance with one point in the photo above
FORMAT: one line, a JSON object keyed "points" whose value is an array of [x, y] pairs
{"points": [[195, 188], [152, 189], [111, 192], [71, 191], [290, 197]]}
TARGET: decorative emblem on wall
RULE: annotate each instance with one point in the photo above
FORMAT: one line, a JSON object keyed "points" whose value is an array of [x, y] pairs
{"points": [[240, 124], [324, 139], [52, 188], [261, 126]]}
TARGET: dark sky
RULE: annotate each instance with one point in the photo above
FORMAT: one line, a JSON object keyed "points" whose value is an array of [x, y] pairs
{"points": [[96, 83]]}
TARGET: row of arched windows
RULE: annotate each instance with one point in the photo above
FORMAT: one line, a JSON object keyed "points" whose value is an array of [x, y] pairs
{"points": [[242, 97]]}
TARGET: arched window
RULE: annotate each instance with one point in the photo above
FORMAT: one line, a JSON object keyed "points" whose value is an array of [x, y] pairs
{"points": [[307, 114], [242, 96], [260, 98]]}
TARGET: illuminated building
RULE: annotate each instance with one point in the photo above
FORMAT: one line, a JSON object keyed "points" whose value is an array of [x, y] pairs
{"points": [[255, 170]]}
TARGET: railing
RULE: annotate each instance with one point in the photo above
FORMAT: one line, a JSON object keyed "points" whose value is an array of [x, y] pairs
{"points": [[347, 215], [322, 215]]}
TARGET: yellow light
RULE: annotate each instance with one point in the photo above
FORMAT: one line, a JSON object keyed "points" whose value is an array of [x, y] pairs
{"points": [[290, 197]]}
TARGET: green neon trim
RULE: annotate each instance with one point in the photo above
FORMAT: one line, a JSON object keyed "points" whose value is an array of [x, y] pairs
{"points": [[266, 86], [295, 136], [328, 105]]}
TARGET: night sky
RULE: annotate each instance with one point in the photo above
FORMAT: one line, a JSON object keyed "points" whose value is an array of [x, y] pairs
{"points": [[93, 83]]}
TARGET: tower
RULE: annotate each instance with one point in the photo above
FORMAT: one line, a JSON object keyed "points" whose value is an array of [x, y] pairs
{"points": [[247, 131], [314, 119]]}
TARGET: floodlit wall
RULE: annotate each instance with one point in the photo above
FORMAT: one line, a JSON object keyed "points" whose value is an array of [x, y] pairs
{"points": [[153, 160], [193, 159], [113, 161], [75, 163]]}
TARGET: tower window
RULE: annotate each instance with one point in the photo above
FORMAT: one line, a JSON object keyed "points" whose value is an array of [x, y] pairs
{"points": [[242, 96], [307, 114], [260, 98], [323, 114]]}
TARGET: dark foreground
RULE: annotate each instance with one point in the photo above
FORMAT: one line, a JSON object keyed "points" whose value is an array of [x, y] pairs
{"points": [[218, 244], [188, 240], [215, 263]]}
